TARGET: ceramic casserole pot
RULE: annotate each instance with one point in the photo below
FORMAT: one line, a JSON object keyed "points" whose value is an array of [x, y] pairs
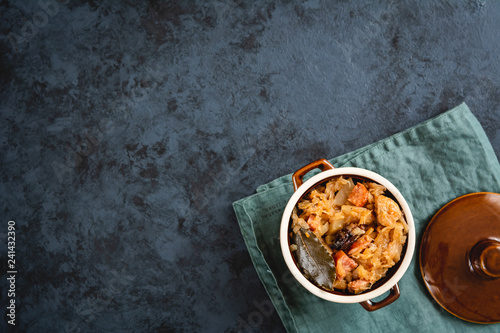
{"points": [[394, 274]]}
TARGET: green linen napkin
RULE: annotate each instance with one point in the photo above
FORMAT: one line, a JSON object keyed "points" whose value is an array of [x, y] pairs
{"points": [[431, 164]]}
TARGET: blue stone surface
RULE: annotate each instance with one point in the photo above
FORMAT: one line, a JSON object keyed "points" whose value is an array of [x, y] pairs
{"points": [[127, 129]]}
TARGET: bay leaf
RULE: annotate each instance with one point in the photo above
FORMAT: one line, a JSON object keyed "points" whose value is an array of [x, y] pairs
{"points": [[314, 260]]}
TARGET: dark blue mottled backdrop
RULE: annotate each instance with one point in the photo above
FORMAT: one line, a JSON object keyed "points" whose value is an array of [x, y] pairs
{"points": [[128, 129]]}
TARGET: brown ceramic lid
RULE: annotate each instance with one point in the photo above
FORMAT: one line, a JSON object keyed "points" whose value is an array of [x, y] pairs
{"points": [[460, 257]]}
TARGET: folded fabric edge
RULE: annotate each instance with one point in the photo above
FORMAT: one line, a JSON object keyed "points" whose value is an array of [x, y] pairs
{"points": [[260, 265], [242, 200], [485, 144]]}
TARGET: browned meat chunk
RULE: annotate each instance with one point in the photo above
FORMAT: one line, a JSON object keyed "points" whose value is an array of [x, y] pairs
{"points": [[359, 195], [360, 244], [358, 286], [343, 264], [314, 222], [387, 211]]}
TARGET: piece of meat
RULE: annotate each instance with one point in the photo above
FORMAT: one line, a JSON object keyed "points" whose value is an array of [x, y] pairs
{"points": [[314, 222], [343, 264], [358, 286], [343, 240], [359, 195], [347, 236], [360, 244], [387, 211]]}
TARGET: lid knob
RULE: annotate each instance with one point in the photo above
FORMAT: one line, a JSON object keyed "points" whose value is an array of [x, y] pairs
{"points": [[484, 258]]}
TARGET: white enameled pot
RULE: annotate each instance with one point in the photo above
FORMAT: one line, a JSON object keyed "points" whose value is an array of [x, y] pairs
{"points": [[388, 283]]}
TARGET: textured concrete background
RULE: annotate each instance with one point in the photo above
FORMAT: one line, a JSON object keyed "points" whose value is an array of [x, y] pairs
{"points": [[129, 127]]}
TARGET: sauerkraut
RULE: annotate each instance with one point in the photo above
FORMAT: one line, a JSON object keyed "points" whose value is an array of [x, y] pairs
{"points": [[360, 225]]}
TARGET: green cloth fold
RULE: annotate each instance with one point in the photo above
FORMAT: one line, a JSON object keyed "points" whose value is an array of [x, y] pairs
{"points": [[431, 164]]}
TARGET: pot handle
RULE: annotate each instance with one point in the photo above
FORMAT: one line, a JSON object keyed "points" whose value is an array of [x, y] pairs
{"points": [[322, 164], [372, 306]]}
